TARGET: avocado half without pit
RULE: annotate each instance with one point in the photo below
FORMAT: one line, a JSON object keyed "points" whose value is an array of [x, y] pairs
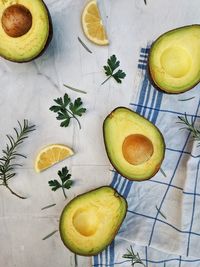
{"points": [[25, 29], [134, 145], [174, 60], [89, 222]]}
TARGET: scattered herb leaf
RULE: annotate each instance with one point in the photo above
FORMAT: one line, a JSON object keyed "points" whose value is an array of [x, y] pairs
{"points": [[145, 1], [113, 64], [68, 110], [66, 183], [10, 153], [163, 173], [131, 256], [75, 89], [49, 206], [159, 211], [84, 45], [187, 99], [190, 127], [49, 235]]}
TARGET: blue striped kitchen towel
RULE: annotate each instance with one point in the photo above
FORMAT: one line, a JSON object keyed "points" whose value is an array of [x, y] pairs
{"points": [[163, 219]]}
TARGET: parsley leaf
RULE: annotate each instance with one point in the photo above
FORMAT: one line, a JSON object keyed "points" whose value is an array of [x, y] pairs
{"points": [[68, 110], [113, 64], [66, 183]]}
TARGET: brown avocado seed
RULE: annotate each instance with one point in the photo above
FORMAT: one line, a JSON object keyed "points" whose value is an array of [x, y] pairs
{"points": [[137, 149], [16, 20]]}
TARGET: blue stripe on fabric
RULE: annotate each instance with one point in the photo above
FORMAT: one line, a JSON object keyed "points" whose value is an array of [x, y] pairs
{"points": [[157, 108], [142, 94], [96, 262], [114, 179], [162, 221], [185, 152], [176, 167], [142, 67], [146, 256], [164, 110], [112, 253], [153, 261], [193, 208], [147, 98], [100, 256], [152, 103]]}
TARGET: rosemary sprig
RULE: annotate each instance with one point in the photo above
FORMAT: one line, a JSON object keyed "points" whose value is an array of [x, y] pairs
{"points": [[10, 153], [189, 125], [131, 256]]}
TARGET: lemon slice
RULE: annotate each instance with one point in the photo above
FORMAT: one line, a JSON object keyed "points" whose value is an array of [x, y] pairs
{"points": [[92, 24], [50, 155]]}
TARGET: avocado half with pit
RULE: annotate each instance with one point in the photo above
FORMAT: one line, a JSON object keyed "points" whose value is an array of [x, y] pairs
{"points": [[25, 29], [89, 222], [135, 146], [174, 60]]}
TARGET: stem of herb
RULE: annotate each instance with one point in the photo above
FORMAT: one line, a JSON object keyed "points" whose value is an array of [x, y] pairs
{"points": [[64, 192], [17, 195], [74, 118], [106, 79], [74, 89]]}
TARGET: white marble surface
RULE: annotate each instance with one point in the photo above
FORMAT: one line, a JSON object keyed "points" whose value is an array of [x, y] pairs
{"points": [[28, 90]]}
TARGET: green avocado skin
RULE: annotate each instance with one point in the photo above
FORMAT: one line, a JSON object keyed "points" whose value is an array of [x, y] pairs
{"points": [[110, 152], [98, 192], [150, 69], [49, 39]]}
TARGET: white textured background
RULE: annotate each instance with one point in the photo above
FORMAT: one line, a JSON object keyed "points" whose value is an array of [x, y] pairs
{"points": [[28, 90]]}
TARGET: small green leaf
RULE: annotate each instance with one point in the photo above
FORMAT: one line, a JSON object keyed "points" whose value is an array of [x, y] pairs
{"points": [[65, 177], [68, 110], [113, 64]]}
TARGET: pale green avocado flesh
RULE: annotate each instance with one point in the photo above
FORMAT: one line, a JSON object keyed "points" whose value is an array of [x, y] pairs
{"points": [[134, 145], [30, 44], [174, 60], [89, 223]]}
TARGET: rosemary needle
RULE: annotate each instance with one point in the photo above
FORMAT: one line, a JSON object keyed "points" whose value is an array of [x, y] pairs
{"points": [[84, 45], [187, 99], [49, 206], [161, 213], [49, 235], [75, 89]]}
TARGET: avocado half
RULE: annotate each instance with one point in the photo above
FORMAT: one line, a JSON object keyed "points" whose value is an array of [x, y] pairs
{"points": [[174, 60], [25, 29], [89, 222], [135, 147]]}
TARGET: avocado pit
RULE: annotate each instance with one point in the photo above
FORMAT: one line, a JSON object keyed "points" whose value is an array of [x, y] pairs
{"points": [[137, 149], [16, 20], [86, 221]]}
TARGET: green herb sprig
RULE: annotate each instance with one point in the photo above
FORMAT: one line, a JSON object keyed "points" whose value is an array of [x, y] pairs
{"points": [[131, 256], [66, 183], [67, 110], [10, 154], [113, 64], [189, 125]]}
